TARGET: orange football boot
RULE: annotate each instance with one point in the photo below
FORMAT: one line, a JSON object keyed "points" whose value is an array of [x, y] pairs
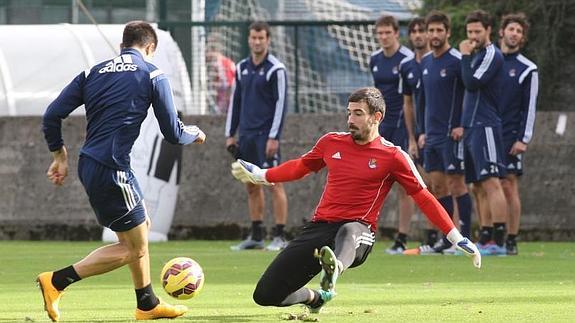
{"points": [[162, 310], [50, 294]]}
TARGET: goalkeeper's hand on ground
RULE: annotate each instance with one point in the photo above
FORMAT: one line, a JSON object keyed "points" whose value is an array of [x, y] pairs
{"points": [[249, 173], [465, 245]]}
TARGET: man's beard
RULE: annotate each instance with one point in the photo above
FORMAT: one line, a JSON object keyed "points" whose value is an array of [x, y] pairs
{"points": [[440, 44], [356, 134], [512, 46], [419, 44]]}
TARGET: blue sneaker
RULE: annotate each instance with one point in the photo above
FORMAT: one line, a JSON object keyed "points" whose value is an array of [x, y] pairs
{"points": [[326, 296], [485, 249], [498, 250], [331, 268]]}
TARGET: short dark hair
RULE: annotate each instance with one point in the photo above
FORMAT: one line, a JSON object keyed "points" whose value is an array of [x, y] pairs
{"points": [[371, 96], [139, 33], [519, 18], [436, 16], [479, 16], [259, 26], [387, 20], [417, 21]]}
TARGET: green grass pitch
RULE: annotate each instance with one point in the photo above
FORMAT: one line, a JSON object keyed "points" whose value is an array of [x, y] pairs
{"points": [[536, 286]]}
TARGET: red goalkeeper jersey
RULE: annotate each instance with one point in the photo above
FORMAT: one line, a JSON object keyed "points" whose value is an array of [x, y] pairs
{"points": [[359, 176]]}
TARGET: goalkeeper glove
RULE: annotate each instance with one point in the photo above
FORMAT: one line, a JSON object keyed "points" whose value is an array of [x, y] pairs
{"points": [[249, 173], [463, 244]]}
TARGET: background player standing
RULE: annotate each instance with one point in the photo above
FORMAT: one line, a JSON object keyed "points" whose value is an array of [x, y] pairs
{"points": [[384, 66], [443, 151], [257, 108], [482, 74], [116, 94], [414, 102], [519, 100], [362, 166]]}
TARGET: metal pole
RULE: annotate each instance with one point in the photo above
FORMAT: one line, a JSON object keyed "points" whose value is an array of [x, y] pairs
{"points": [[296, 47], [75, 13], [150, 10]]}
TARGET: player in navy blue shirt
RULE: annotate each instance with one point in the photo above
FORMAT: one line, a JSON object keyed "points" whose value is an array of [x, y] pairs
{"points": [[414, 102], [443, 151], [518, 100], [116, 94], [384, 66], [257, 108], [482, 73], [410, 85]]}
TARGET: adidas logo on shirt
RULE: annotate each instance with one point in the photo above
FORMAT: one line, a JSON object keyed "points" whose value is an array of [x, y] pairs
{"points": [[121, 63], [337, 155]]}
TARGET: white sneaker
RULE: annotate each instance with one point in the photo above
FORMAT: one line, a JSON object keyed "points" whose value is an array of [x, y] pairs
{"points": [[397, 248], [450, 251], [277, 244], [247, 244], [427, 250]]}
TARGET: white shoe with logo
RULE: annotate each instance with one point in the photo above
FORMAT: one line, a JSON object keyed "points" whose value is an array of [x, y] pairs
{"points": [[278, 243]]}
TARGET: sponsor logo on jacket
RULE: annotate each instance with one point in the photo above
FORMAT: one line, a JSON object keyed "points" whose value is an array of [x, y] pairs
{"points": [[112, 67]]}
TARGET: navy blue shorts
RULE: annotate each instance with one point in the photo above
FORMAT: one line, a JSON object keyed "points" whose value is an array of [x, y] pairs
{"points": [[114, 195], [483, 153], [446, 157], [252, 148], [397, 136], [513, 163]]}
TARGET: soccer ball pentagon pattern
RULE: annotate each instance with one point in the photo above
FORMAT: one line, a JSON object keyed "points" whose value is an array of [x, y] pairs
{"points": [[182, 278]]}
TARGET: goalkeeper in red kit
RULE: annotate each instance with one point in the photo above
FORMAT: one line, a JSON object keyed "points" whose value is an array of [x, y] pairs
{"points": [[362, 166]]}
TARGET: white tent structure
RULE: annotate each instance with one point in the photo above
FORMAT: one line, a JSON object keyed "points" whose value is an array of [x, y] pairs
{"points": [[38, 61]]}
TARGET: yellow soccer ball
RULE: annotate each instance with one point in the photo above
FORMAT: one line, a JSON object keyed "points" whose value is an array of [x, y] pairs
{"points": [[182, 278]]}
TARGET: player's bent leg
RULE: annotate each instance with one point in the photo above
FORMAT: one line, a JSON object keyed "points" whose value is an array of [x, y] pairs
{"points": [[353, 243], [50, 295], [113, 256], [149, 306], [136, 240], [292, 269]]}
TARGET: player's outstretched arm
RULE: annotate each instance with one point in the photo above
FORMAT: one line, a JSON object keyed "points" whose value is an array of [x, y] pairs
{"points": [[289, 171], [246, 172], [438, 216], [463, 244]]}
